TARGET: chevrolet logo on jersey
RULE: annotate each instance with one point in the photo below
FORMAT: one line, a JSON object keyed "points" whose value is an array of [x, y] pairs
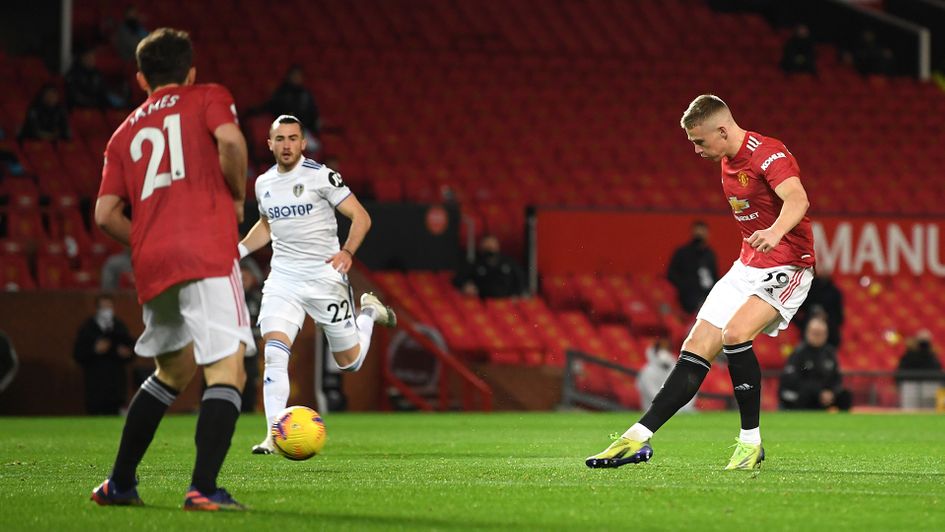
{"points": [[289, 211], [298, 189], [743, 179], [738, 205]]}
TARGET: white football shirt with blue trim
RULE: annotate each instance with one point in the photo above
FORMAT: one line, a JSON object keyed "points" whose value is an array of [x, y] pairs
{"points": [[300, 206]]}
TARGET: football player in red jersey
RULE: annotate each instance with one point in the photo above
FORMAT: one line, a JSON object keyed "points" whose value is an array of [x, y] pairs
{"points": [[179, 162], [760, 293]]}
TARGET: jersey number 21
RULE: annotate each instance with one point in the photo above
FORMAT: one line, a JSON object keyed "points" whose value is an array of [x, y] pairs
{"points": [[152, 179]]}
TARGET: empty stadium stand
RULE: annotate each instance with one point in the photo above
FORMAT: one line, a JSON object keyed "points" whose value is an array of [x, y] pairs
{"points": [[502, 105]]}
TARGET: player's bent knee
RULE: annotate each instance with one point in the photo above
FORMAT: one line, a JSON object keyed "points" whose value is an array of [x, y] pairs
{"points": [[733, 334], [176, 369], [348, 360]]}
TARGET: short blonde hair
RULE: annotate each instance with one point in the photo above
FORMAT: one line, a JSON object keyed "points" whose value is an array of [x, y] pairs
{"points": [[704, 106]]}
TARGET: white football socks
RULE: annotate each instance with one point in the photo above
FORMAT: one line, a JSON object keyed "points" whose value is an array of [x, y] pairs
{"points": [[275, 379], [752, 436], [365, 322], [638, 433]]}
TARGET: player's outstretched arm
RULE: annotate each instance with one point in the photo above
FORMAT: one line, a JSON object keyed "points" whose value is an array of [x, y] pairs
{"points": [[792, 192], [256, 238], [233, 155], [360, 225], [110, 216]]}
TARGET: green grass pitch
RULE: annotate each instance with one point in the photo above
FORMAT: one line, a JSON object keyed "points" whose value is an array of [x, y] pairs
{"points": [[512, 471]]}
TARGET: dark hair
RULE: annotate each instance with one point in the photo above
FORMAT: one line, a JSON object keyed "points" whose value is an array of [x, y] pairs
{"points": [[165, 56], [285, 119]]}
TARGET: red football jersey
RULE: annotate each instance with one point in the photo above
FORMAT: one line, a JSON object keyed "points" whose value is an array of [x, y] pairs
{"points": [[749, 180], [163, 161]]}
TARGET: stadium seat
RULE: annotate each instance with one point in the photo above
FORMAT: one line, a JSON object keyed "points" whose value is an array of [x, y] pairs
{"points": [[16, 273]]}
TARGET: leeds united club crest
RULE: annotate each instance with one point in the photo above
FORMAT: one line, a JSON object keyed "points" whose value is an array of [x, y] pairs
{"points": [[298, 189]]}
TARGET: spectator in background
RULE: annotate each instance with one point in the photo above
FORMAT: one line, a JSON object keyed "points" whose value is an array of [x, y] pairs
{"points": [[128, 34], [868, 55], [799, 56], [886, 64], [253, 293], [46, 118], [292, 98], [811, 377], [917, 391], [693, 270], [9, 162], [660, 359], [103, 347], [492, 275], [826, 300], [85, 84], [114, 267]]}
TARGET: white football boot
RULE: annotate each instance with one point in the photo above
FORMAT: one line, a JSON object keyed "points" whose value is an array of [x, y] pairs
{"points": [[383, 314]]}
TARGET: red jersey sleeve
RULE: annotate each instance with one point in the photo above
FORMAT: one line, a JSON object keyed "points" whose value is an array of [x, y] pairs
{"points": [[777, 164], [220, 108], [113, 180]]}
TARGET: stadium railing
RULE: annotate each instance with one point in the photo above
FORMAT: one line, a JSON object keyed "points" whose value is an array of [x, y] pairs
{"points": [[871, 389], [572, 396], [475, 393]]}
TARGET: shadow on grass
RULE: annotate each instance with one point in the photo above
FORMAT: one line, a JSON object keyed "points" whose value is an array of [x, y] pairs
{"points": [[327, 520]]}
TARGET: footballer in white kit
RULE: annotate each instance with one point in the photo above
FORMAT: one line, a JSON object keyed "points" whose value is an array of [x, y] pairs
{"points": [[297, 201]]}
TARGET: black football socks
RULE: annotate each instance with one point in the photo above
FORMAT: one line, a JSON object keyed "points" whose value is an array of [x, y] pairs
{"points": [[680, 387], [144, 415], [746, 379], [219, 410]]}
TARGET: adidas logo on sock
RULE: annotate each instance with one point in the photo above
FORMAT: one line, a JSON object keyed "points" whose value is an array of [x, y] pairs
{"points": [[267, 380], [743, 387]]}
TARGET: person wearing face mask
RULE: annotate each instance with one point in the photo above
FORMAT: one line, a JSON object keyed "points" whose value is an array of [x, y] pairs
{"points": [[918, 390], [660, 360], [493, 274], [103, 347], [693, 270]]}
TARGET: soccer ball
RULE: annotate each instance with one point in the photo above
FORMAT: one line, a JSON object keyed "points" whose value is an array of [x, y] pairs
{"points": [[298, 433]]}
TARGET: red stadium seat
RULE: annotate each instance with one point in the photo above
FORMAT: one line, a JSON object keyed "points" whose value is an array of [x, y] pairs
{"points": [[15, 273], [53, 272]]}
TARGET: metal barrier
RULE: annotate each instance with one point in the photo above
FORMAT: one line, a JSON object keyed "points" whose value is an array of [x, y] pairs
{"points": [[572, 397], [875, 389]]}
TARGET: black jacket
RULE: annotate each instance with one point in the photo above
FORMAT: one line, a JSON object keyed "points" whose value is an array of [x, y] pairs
{"points": [[46, 123], [808, 371], [494, 276], [920, 358], [85, 87], [693, 271], [106, 380]]}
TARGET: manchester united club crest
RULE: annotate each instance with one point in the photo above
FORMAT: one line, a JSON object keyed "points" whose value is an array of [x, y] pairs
{"points": [[743, 178], [298, 189]]}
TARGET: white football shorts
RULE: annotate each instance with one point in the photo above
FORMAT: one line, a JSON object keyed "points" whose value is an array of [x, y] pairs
{"points": [[209, 312], [783, 287], [329, 301]]}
